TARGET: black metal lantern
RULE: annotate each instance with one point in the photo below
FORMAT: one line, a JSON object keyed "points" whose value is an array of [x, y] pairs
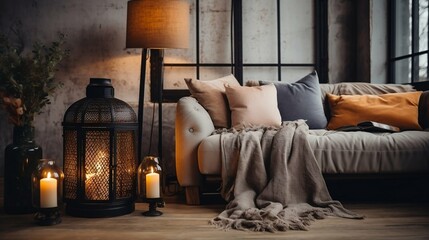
{"points": [[100, 154]]}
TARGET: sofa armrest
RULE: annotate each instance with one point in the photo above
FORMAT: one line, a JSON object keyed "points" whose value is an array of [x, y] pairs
{"points": [[193, 124]]}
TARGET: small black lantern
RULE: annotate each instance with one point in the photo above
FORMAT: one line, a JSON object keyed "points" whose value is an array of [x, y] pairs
{"points": [[149, 184], [47, 192], [100, 154]]}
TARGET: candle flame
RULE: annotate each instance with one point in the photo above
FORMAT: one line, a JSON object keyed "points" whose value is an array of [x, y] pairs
{"points": [[89, 175], [151, 169], [49, 175]]}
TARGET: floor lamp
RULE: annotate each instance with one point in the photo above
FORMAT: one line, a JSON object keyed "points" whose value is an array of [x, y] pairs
{"points": [[155, 24]]}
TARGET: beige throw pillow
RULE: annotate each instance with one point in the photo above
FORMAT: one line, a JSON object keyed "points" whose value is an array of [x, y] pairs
{"points": [[211, 95], [253, 106]]}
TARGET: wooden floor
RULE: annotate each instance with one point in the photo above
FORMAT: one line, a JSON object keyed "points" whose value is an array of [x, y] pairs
{"points": [[385, 219], [180, 221]]}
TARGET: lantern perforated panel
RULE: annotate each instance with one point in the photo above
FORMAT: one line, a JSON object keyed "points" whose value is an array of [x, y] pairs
{"points": [[70, 166], [97, 165], [125, 182], [100, 154]]}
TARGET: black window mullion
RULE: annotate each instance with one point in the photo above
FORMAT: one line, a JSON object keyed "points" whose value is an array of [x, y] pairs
{"points": [[279, 43], [197, 43], [238, 40], [414, 38], [392, 42], [321, 41]]}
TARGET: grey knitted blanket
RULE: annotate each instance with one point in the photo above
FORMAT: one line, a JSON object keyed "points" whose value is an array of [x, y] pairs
{"points": [[272, 181]]}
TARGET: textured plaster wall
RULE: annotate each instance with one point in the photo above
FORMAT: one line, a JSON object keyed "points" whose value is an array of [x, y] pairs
{"points": [[96, 37]]}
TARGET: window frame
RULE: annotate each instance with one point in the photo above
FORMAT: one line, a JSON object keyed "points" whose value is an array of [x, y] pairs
{"points": [[414, 55], [237, 65]]}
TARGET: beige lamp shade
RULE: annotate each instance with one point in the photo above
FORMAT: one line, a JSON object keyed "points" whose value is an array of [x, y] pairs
{"points": [[158, 24]]}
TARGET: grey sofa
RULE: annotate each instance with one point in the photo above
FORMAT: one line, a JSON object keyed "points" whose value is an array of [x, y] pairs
{"points": [[198, 154]]}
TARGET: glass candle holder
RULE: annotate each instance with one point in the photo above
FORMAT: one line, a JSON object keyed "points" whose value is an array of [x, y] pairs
{"points": [[47, 192], [149, 184]]}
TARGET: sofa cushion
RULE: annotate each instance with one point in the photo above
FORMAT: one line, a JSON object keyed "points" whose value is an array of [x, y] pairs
{"points": [[347, 152], [253, 106], [211, 95], [301, 100], [363, 152], [396, 109]]}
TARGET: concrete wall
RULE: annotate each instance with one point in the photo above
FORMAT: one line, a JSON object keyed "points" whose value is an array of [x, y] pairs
{"points": [[96, 37], [342, 41], [357, 41], [378, 41]]}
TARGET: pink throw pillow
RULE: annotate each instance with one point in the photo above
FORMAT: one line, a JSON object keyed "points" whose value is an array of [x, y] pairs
{"points": [[253, 106]]}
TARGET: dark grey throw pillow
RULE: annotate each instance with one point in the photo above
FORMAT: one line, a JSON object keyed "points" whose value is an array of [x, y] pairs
{"points": [[301, 100]]}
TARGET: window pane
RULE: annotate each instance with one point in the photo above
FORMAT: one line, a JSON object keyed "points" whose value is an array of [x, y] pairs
{"points": [[423, 25], [260, 74], [293, 74], [297, 31], [423, 68], [173, 77], [215, 41], [259, 31], [209, 73], [403, 27], [403, 71]]}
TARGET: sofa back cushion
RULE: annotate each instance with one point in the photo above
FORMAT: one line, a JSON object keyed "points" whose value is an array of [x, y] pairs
{"points": [[362, 88], [211, 95], [301, 100], [253, 106], [396, 109]]}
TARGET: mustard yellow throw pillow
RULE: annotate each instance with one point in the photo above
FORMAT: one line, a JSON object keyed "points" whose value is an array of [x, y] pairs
{"points": [[211, 95], [253, 106], [396, 109]]}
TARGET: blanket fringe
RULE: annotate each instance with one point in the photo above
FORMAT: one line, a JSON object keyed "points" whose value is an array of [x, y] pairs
{"points": [[254, 220]]}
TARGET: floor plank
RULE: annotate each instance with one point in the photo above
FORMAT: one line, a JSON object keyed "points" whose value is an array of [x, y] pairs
{"points": [[180, 221], [391, 220]]}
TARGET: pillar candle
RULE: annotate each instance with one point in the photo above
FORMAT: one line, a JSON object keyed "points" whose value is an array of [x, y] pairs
{"points": [[152, 185], [48, 192]]}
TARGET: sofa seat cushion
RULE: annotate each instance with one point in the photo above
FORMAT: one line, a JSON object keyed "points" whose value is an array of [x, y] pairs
{"points": [[364, 152], [347, 152]]}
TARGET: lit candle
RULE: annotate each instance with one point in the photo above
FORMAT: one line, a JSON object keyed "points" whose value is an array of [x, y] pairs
{"points": [[152, 185], [48, 192]]}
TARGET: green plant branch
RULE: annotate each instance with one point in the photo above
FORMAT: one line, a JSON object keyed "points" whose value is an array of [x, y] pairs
{"points": [[30, 77]]}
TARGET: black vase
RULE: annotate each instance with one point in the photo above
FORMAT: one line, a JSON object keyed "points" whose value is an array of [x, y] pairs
{"points": [[21, 159]]}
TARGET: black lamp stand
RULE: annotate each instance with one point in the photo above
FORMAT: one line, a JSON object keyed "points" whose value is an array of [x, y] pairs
{"points": [[141, 103], [157, 75]]}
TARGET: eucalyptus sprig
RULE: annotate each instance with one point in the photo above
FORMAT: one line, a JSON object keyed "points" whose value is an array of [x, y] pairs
{"points": [[27, 79]]}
